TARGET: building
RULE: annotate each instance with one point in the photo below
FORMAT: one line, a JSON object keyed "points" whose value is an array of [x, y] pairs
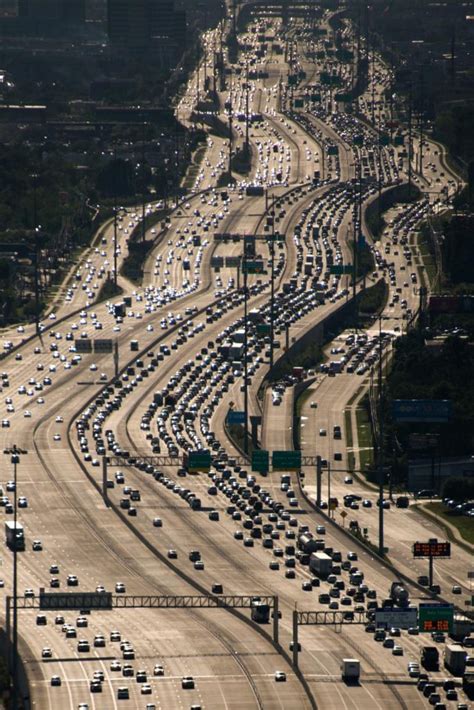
{"points": [[63, 11], [145, 24]]}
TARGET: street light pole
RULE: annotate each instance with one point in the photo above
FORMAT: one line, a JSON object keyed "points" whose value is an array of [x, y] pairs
{"points": [[272, 284], [246, 387], [381, 447], [35, 233], [15, 460], [115, 216]]}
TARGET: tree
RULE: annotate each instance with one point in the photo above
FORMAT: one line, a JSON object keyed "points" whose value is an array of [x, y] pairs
{"points": [[458, 488]]}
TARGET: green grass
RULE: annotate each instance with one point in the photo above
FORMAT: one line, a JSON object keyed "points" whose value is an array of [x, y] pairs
{"points": [[193, 170], [461, 522], [351, 461], [364, 432]]}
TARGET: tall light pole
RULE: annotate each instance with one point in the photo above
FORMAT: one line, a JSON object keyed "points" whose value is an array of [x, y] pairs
{"points": [[115, 216], [35, 233], [15, 460], [381, 445], [272, 283]]}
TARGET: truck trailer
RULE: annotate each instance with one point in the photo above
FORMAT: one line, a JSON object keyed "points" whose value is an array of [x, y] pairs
{"points": [[320, 564], [350, 670], [455, 659], [14, 535]]}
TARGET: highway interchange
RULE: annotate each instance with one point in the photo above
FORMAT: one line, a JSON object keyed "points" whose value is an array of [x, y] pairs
{"points": [[56, 409]]}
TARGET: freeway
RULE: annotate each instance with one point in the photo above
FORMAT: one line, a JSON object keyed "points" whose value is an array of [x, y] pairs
{"points": [[68, 411]]}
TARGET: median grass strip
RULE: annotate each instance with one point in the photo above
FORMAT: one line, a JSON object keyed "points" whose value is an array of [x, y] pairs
{"points": [[349, 440], [364, 435], [462, 523]]}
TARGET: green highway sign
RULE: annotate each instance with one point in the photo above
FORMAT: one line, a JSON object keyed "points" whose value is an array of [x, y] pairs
{"points": [[298, 103], [199, 461], [260, 460], [359, 140], [253, 266], [286, 460], [263, 329], [435, 617], [341, 269], [333, 150], [398, 140], [315, 97], [384, 139], [342, 97], [75, 600]]}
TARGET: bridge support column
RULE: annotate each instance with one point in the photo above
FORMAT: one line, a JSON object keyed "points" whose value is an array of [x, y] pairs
{"points": [[276, 613], [295, 638]]}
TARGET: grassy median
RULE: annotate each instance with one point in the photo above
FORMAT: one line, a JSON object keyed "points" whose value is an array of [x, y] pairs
{"points": [[464, 524]]}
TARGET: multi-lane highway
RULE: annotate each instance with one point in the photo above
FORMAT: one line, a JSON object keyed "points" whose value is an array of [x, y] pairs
{"points": [[314, 168]]}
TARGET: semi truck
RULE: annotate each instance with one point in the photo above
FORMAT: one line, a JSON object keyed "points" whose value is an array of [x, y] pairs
{"points": [[320, 564], [398, 594], [455, 659], [350, 670], [430, 658], [14, 535]]}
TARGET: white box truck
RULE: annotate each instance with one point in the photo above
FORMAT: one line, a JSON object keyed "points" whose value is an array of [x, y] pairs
{"points": [[320, 564], [350, 669]]}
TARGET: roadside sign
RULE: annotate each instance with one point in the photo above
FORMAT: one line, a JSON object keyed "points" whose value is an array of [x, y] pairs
{"points": [[435, 617], [260, 460], [398, 617], [233, 262], [75, 600], [235, 417], [83, 346], [286, 460], [340, 269], [421, 410], [253, 266], [343, 514], [103, 345], [432, 548], [199, 461]]}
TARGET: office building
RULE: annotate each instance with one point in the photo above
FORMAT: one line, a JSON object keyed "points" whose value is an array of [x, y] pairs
{"points": [[72, 11], [145, 24]]}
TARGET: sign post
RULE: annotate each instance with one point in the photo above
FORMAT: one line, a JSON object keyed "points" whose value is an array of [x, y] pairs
{"points": [[435, 617], [199, 461], [286, 460], [260, 461], [431, 549]]}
